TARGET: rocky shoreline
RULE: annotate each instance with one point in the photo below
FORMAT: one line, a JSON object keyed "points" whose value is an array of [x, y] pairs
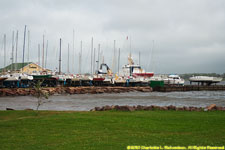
{"points": [[153, 107], [72, 90]]}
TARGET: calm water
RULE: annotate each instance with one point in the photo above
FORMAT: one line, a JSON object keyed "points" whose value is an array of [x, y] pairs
{"points": [[86, 102]]}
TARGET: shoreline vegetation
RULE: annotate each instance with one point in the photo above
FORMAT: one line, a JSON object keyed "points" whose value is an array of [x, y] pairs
{"points": [[100, 130]]}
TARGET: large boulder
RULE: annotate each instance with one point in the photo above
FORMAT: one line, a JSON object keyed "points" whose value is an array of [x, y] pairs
{"points": [[211, 107]]}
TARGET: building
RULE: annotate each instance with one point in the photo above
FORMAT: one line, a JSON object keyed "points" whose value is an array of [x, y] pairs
{"points": [[27, 67]]}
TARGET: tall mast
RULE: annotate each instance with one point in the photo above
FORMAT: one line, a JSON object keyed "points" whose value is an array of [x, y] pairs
{"points": [[60, 56], [46, 54], [92, 55], [24, 40], [28, 46], [151, 62], [73, 57], [80, 57], [94, 62], [119, 61], [114, 55], [43, 52], [130, 45], [12, 50], [39, 54], [68, 59], [17, 34], [4, 50], [98, 56], [139, 58]]}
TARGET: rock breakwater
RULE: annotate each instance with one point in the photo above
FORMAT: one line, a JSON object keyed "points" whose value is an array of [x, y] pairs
{"points": [[71, 90], [153, 107]]}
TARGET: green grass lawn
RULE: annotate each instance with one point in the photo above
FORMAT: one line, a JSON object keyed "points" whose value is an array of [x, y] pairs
{"points": [[109, 130]]}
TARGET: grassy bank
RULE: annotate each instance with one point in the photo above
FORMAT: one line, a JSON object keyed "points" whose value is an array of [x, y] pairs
{"points": [[109, 130]]}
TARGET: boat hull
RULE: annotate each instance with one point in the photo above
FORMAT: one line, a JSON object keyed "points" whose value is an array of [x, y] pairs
{"points": [[143, 74]]}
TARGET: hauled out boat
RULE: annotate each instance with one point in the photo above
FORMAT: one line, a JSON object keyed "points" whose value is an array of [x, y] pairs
{"points": [[135, 70], [205, 79], [174, 79]]}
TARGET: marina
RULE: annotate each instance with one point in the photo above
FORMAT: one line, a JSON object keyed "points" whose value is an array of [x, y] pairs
{"points": [[112, 75]]}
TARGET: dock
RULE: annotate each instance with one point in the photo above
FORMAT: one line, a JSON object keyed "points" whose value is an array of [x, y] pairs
{"points": [[189, 88]]}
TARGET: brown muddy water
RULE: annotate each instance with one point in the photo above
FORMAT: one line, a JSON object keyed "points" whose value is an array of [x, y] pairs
{"points": [[85, 102]]}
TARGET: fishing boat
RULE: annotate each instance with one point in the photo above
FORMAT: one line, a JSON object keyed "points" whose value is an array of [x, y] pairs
{"points": [[135, 70]]}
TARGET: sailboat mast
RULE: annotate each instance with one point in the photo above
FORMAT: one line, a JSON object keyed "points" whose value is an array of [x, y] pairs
{"points": [[92, 55], [12, 50], [80, 58], [114, 55], [94, 62], [17, 34], [81, 49], [60, 56], [46, 54], [73, 57], [28, 46], [130, 45], [139, 58], [119, 61], [43, 52], [68, 59], [24, 41], [98, 56], [39, 55]]}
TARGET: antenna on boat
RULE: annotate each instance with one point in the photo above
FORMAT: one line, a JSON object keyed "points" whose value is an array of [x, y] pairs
{"points": [[46, 54], [60, 49], [24, 41], [17, 34], [68, 59]]}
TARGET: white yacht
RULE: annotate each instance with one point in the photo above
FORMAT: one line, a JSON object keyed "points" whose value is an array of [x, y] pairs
{"points": [[174, 80], [205, 79]]}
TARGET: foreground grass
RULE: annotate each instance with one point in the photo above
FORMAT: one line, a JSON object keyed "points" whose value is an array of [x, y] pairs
{"points": [[109, 130]]}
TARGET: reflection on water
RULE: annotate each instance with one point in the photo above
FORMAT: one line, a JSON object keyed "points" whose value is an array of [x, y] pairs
{"points": [[86, 102]]}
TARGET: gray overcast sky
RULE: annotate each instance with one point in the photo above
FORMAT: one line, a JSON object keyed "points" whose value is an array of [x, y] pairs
{"points": [[188, 35]]}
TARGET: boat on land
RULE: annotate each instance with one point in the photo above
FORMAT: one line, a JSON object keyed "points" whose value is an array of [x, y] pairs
{"points": [[135, 70], [205, 79], [174, 80]]}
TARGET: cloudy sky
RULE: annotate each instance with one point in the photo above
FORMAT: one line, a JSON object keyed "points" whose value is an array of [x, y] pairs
{"points": [[172, 36]]}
